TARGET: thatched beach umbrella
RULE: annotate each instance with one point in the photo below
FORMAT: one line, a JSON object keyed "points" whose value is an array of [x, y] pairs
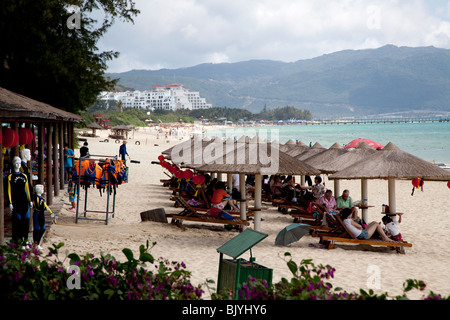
{"points": [[321, 159], [392, 163], [94, 126], [362, 152], [291, 145], [257, 159]]}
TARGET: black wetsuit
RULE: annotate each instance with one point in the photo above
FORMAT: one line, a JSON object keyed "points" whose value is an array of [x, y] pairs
{"points": [[19, 197], [39, 206]]}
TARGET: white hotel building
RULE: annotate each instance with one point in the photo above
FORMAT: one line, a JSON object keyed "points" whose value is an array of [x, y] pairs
{"points": [[172, 96]]}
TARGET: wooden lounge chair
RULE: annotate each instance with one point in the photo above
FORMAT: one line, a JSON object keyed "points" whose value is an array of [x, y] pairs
{"points": [[348, 237], [191, 214], [332, 228]]}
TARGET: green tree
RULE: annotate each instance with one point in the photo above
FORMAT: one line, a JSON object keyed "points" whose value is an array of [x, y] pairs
{"points": [[49, 49]]}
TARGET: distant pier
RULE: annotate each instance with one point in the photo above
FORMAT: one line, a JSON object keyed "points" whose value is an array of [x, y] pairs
{"points": [[379, 120]]}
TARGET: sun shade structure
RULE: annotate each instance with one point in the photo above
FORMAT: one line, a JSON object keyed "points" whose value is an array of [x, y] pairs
{"points": [[364, 151], [258, 159], [392, 163], [305, 153], [320, 160]]}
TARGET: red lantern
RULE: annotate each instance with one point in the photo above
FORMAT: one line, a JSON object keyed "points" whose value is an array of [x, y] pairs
{"points": [[10, 137], [25, 136], [178, 174], [198, 179], [161, 158], [416, 182], [188, 174], [448, 184]]}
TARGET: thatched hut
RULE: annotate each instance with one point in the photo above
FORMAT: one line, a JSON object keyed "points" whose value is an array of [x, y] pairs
{"points": [[51, 129]]}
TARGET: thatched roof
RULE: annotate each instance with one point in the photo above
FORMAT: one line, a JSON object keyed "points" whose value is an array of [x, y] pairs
{"points": [[309, 152], [291, 146], [94, 125], [391, 162], [187, 152], [122, 127], [321, 159], [14, 106], [294, 150], [349, 158], [258, 158]]}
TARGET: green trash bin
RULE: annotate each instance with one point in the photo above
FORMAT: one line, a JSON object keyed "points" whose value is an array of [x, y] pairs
{"points": [[235, 272]]}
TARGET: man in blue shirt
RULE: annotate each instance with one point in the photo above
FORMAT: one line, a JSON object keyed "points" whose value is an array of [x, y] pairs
{"points": [[123, 151], [68, 163]]}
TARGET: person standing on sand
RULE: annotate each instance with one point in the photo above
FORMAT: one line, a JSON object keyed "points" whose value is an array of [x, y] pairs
{"points": [[123, 151]]}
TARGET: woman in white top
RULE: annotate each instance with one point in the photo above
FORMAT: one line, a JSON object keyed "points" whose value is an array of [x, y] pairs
{"points": [[357, 230]]}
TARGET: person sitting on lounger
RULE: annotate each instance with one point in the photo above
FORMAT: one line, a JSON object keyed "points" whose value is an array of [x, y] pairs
{"points": [[358, 231], [345, 201], [318, 189], [221, 198], [329, 202], [276, 188]]}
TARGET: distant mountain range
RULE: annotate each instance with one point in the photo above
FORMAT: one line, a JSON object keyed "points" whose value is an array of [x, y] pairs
{"points": [[389, 79]]}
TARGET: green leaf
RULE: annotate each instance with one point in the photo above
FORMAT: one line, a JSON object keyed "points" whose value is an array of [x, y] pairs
{"points": [[293, 267], [146, 257], [74, 257], [128, 253]]}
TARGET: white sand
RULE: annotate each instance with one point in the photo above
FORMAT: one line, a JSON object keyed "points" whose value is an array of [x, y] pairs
{"points": [[426, 224]]}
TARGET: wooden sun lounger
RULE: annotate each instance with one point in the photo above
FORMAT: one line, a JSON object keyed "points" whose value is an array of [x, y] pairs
{"points": [[191, 214], [205, 209], [348, 237]]}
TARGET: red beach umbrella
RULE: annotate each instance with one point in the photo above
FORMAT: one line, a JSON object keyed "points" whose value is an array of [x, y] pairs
{"points": [[355, 143]]}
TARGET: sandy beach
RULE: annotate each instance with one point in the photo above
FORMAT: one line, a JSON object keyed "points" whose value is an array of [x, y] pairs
{"points": [[426, 224]]}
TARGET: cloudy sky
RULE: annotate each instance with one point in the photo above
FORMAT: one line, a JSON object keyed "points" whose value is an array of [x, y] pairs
{"points": [[183, 33]]}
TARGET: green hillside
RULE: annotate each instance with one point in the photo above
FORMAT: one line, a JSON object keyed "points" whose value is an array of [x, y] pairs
{"points": [[350, 82]]}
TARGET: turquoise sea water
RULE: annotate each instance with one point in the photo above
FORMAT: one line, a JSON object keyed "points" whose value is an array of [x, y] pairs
{"points": [[429, 141]]}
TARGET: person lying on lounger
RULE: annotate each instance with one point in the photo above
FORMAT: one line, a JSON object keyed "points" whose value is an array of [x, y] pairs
{"points": [[358, 231]]}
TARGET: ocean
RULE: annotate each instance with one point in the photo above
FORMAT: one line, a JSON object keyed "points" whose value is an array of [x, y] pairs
{"points": [[429, 141]]}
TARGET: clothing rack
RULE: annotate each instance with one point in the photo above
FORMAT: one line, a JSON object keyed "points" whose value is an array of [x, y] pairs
{"points": [[109, 189]]}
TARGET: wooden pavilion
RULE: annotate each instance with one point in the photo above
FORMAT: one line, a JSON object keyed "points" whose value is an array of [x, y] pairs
{"points": [[52, 129]]}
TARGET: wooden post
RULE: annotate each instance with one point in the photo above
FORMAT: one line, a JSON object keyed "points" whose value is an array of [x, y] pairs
{"points": [[61, 156], [364, 195], [49, 164], [258, 192], [55, 154], [337, 188], [243, 203], [2, 202], [41, 134], [392, 202]]}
